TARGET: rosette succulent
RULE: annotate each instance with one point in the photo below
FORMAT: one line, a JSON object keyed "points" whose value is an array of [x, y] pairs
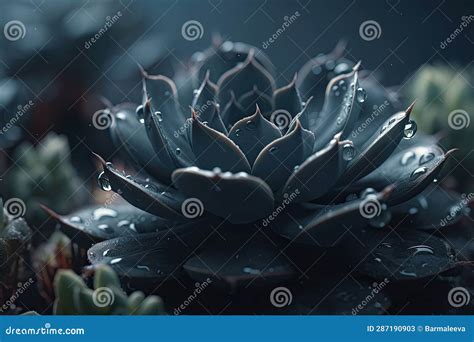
{"points": [[256, 186]]}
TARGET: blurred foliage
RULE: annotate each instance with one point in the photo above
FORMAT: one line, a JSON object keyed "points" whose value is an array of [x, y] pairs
{"points": [[439, 91], [44, 175], [73, 297]]}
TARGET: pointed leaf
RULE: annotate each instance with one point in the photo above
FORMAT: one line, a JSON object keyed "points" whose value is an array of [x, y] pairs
{"points": [[243, 78], [327, 225], [341, 108], [277, 161], [213, 149], [252, 134], [238, 198]]}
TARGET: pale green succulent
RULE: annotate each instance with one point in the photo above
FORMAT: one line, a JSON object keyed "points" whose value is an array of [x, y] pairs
{"points": [[44, 174], [445, 102], [73, 297]]}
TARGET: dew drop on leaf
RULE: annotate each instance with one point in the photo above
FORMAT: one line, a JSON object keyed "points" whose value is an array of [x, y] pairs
{"points": [[348, 152], [407, 157], [419, 171], [425, 158], [409, 130], [104, 182], [361, 95]]}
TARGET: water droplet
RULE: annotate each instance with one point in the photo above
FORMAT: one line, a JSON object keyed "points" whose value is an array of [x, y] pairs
{"points": [[237, 132], [316, 69], [407, 157], [250, 125], [330, 64], [123, 223], [300, 227], [132, 227], [341, 68], [159, 116], [342, 84], [116, 260], [419, 171], [273, 149], [143, 267], [384, 127], [100, 213], [121, 116], [435, 180], [140, 113], [104, 182], [378, 259], [75, 219], [106, 252], [195, 92], [251, 270], [335, 88], [296, 168], [413, 211], [361, 95], [408, 274], [227, 46], [420, 249], [409, 130], [348, 152], [385, 245], [426, 158], [178, 151], [367, 192]]}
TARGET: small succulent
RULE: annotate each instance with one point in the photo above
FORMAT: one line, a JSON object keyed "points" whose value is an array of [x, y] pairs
{"points": [[73, 297], [260, 186], [14, 240], [44, 175], [446, 102]]}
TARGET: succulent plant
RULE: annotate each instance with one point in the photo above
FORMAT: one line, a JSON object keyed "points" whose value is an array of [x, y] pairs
{"points": [[258, 186], [44, 175], [446, 103], [14, 240], [73, 297]]}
